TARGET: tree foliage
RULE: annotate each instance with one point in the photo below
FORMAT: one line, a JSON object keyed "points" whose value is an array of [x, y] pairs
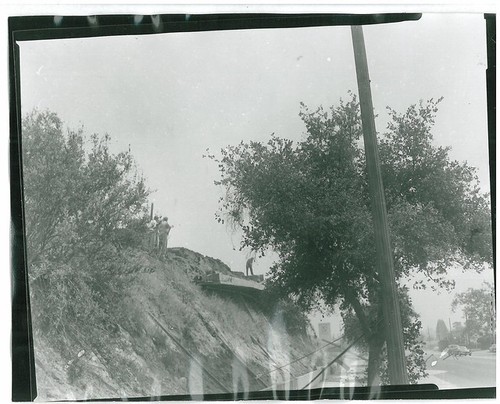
{"points": [[308, 201], [478, 307], [440, 218], [441, 330], [75, 200], [79, 199]]}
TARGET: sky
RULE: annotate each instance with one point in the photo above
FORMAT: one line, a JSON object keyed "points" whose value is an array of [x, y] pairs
{"points": [[171, 96]]}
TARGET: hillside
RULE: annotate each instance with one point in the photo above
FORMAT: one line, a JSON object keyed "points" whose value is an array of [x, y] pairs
{"points": [[165, 335]]}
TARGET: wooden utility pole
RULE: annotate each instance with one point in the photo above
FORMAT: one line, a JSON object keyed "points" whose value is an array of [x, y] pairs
{"points": [[392, 316]]}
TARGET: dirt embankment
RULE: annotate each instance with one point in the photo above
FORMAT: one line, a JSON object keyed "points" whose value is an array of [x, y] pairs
{"points": [[171, 337]]}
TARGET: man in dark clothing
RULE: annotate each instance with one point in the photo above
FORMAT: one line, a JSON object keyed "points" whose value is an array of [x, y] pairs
{"points": [[249, 265]]}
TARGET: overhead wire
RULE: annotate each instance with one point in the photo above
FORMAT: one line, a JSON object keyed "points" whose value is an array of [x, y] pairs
{"points": [[337, 357], [302, 357], [334, 360]]}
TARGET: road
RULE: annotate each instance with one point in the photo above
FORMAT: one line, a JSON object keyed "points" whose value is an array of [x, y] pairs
{"points": [[477, 370]]}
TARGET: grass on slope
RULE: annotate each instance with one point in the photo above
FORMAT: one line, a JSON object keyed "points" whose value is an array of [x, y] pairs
{"points": [[163, 335]]}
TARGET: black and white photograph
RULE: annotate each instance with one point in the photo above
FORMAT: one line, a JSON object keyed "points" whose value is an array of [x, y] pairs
{"points": [[272, 211]]}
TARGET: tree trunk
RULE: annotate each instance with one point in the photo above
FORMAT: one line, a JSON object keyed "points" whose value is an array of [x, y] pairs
{"points": [[375, 345], [374, 335]]}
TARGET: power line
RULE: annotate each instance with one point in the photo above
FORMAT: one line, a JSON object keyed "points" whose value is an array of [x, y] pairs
{"points": [[186, 351], [334, 360], [302, 357]]}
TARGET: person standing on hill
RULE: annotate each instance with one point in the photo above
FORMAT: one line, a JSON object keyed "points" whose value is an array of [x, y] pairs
{"points": [[163, 234], [153, 238], [250, 261], [249, 266]]}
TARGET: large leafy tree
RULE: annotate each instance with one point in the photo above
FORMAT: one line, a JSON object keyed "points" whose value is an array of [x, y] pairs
{"points": [[308, 201], [77, 193], [80, 202], [478, 307]]}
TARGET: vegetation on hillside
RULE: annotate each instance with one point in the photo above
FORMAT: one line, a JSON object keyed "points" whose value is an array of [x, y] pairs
{"points": [[80, 203]]}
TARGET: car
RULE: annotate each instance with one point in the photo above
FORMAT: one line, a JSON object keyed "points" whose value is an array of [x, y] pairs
{"points": [[453, 350], [464, 351], [493, 348]]}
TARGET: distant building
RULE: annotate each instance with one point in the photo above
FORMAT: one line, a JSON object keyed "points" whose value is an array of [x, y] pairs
{"points": [[325, 331]]}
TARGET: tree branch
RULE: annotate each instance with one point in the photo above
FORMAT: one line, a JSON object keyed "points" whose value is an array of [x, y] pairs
{"points": [[358, 309]]}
